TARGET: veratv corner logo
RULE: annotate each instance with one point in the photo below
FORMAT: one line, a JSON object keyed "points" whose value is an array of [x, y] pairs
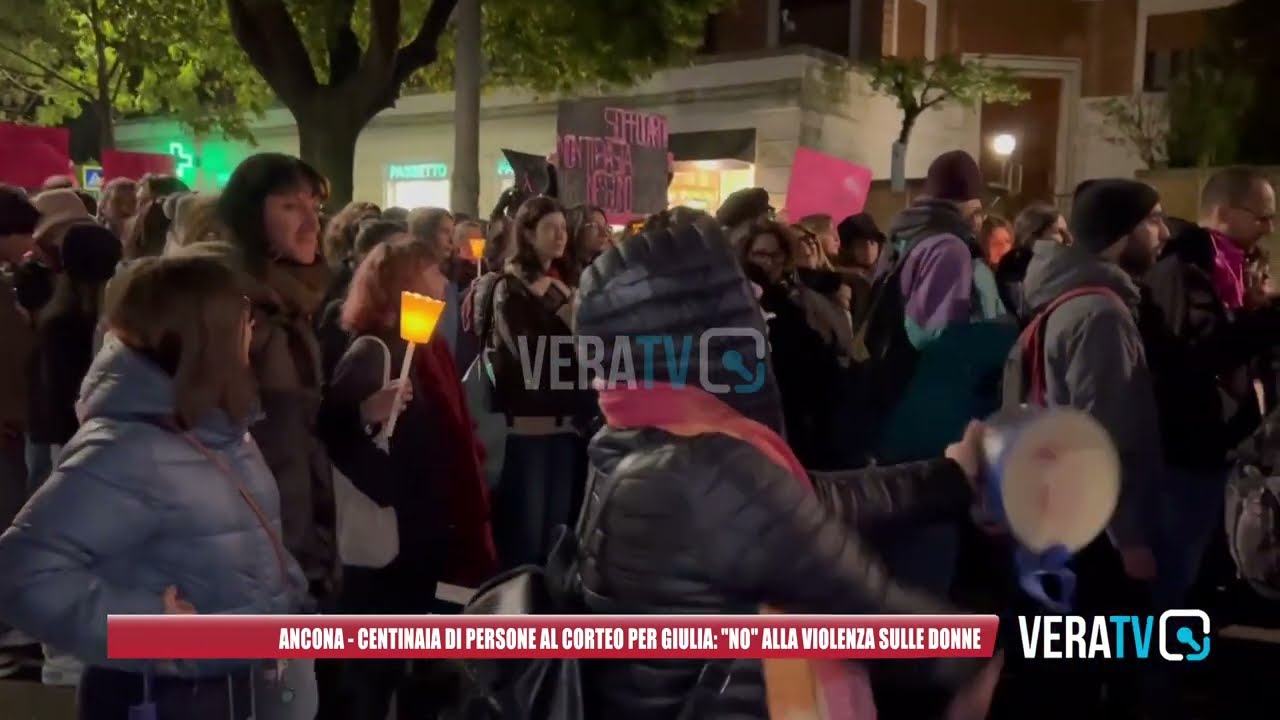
{"points": [[1184, 636]]}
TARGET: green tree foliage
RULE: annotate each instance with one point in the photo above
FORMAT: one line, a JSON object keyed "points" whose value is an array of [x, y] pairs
{"points": [[335, 64], [1139, 123], [1206, 102], [918, 84], [121, 59]]}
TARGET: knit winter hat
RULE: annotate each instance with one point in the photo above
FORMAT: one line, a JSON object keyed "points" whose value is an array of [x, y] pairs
{"points": [[90, 253], [1105, 211], [743, 206], [954, 176]]}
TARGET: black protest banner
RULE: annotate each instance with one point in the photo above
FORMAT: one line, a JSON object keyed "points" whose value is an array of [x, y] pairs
{"points": [[533, 174], [611, 157]]}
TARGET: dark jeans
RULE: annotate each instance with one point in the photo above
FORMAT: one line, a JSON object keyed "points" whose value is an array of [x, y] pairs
{"points": [[108, 695], [540, 479]]}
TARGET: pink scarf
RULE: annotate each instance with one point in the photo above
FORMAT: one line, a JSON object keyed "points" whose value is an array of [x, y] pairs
{"points": [[796, 689], [1228, 271]]}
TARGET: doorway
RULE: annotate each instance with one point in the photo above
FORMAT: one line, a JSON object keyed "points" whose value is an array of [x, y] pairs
{"points": [[1030, 170]]}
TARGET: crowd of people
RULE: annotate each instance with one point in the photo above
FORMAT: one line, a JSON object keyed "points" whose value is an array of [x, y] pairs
{"points": [[195, 384]]}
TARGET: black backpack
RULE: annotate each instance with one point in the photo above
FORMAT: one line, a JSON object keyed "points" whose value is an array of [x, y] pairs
{"points": [[548, 688], [1252, 510]]}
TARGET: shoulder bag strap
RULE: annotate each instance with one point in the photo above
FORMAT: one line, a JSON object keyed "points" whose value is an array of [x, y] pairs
{"points": [[1032, 339], [225, 469]]}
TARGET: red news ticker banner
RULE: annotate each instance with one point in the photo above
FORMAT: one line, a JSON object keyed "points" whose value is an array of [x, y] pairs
{"points": [[181, 637]]}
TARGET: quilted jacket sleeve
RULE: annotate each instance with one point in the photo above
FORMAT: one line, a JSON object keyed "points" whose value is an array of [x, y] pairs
{"points": [[769, 538], [920, 492], [91, 507]]}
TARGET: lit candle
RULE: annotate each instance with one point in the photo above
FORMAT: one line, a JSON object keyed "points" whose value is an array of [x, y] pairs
{"points": [[419, 316]]}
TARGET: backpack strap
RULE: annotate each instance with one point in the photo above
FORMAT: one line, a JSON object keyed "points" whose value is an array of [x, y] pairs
{"points": [[1031, 341]]}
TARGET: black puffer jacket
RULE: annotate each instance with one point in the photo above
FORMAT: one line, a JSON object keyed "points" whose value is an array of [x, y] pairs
{"points": [[708, 524]]}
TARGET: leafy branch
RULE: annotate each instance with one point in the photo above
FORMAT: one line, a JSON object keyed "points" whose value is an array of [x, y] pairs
{"points": [[918, 84]]}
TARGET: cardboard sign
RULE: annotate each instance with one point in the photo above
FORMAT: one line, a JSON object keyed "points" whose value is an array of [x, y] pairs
{"points": [[30, 155], [532, 174], [824, 185], [613, 158], [133, 165]]}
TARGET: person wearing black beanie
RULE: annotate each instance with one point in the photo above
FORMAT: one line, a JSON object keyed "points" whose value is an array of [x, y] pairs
{"points": [[937, 334], [1106, 212], [1090, 355], [696, 513]]}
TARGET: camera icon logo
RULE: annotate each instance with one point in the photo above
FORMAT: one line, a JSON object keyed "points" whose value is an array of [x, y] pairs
{"points": [[1185, 636], [750, 370]]}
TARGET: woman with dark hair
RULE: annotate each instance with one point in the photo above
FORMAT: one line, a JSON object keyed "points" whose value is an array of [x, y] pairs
{"points": [[996, 238], [589, 235], [148, 232], [807, 341], [429, 473], [544, 459], [329, 331], [338, 240], [697, 506], [152, 187], [1036, 222], [160, 502], [270, 208], [340, 232]]}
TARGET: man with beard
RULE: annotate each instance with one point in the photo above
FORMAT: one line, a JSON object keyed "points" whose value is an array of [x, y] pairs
{"points": [[1205, 335], [1091, 351]]}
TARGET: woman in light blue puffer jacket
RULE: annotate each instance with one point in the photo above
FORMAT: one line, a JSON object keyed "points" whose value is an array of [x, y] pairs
{"points": [[137, 518]]}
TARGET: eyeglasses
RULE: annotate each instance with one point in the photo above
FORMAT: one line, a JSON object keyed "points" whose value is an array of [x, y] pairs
{"points": [[1260, 218]]}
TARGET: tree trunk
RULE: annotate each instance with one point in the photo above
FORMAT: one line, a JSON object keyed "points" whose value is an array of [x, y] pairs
{"points": [[106, 127], [327, 141], [464, 192], [908, 124]]}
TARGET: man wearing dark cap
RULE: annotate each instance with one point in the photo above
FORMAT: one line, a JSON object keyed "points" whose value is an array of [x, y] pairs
{"points": [[1093, 350], [1093, 359], [938, 338], [1211, 330]]}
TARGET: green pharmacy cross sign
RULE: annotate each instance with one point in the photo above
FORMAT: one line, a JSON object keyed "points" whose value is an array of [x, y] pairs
{"points": [[184, 161]]}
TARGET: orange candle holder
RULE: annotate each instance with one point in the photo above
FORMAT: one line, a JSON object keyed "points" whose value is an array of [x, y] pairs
{"points": [[419, 315], [477, 248]]}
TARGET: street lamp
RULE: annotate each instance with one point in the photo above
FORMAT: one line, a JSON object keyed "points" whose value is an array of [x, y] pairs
{"points": [[1004, 144]]}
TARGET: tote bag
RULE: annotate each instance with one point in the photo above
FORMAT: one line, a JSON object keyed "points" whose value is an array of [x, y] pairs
{"points": [[368, 534]]}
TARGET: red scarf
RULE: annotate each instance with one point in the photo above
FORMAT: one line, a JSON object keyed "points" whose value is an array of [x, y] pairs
{"points": [[796, 689], [472, 556]]}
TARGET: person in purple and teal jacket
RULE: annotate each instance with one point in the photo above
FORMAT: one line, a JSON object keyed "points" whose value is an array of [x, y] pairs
{"points": [[936, 340]]}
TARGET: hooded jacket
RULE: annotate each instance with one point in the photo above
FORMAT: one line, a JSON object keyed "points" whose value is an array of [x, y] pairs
{"points": [[950, 309], [1095, 361], [132, 509], [1200, 355], [707, 524]]}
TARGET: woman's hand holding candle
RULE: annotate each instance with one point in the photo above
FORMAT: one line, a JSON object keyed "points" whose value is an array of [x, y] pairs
{"points": [[377, 408]]}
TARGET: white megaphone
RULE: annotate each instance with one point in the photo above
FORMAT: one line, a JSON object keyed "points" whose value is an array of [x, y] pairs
{"points": [[1053, 479]]}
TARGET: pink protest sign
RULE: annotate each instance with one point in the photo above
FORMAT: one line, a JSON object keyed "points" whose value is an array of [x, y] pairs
{"points": [[822, 184]]}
